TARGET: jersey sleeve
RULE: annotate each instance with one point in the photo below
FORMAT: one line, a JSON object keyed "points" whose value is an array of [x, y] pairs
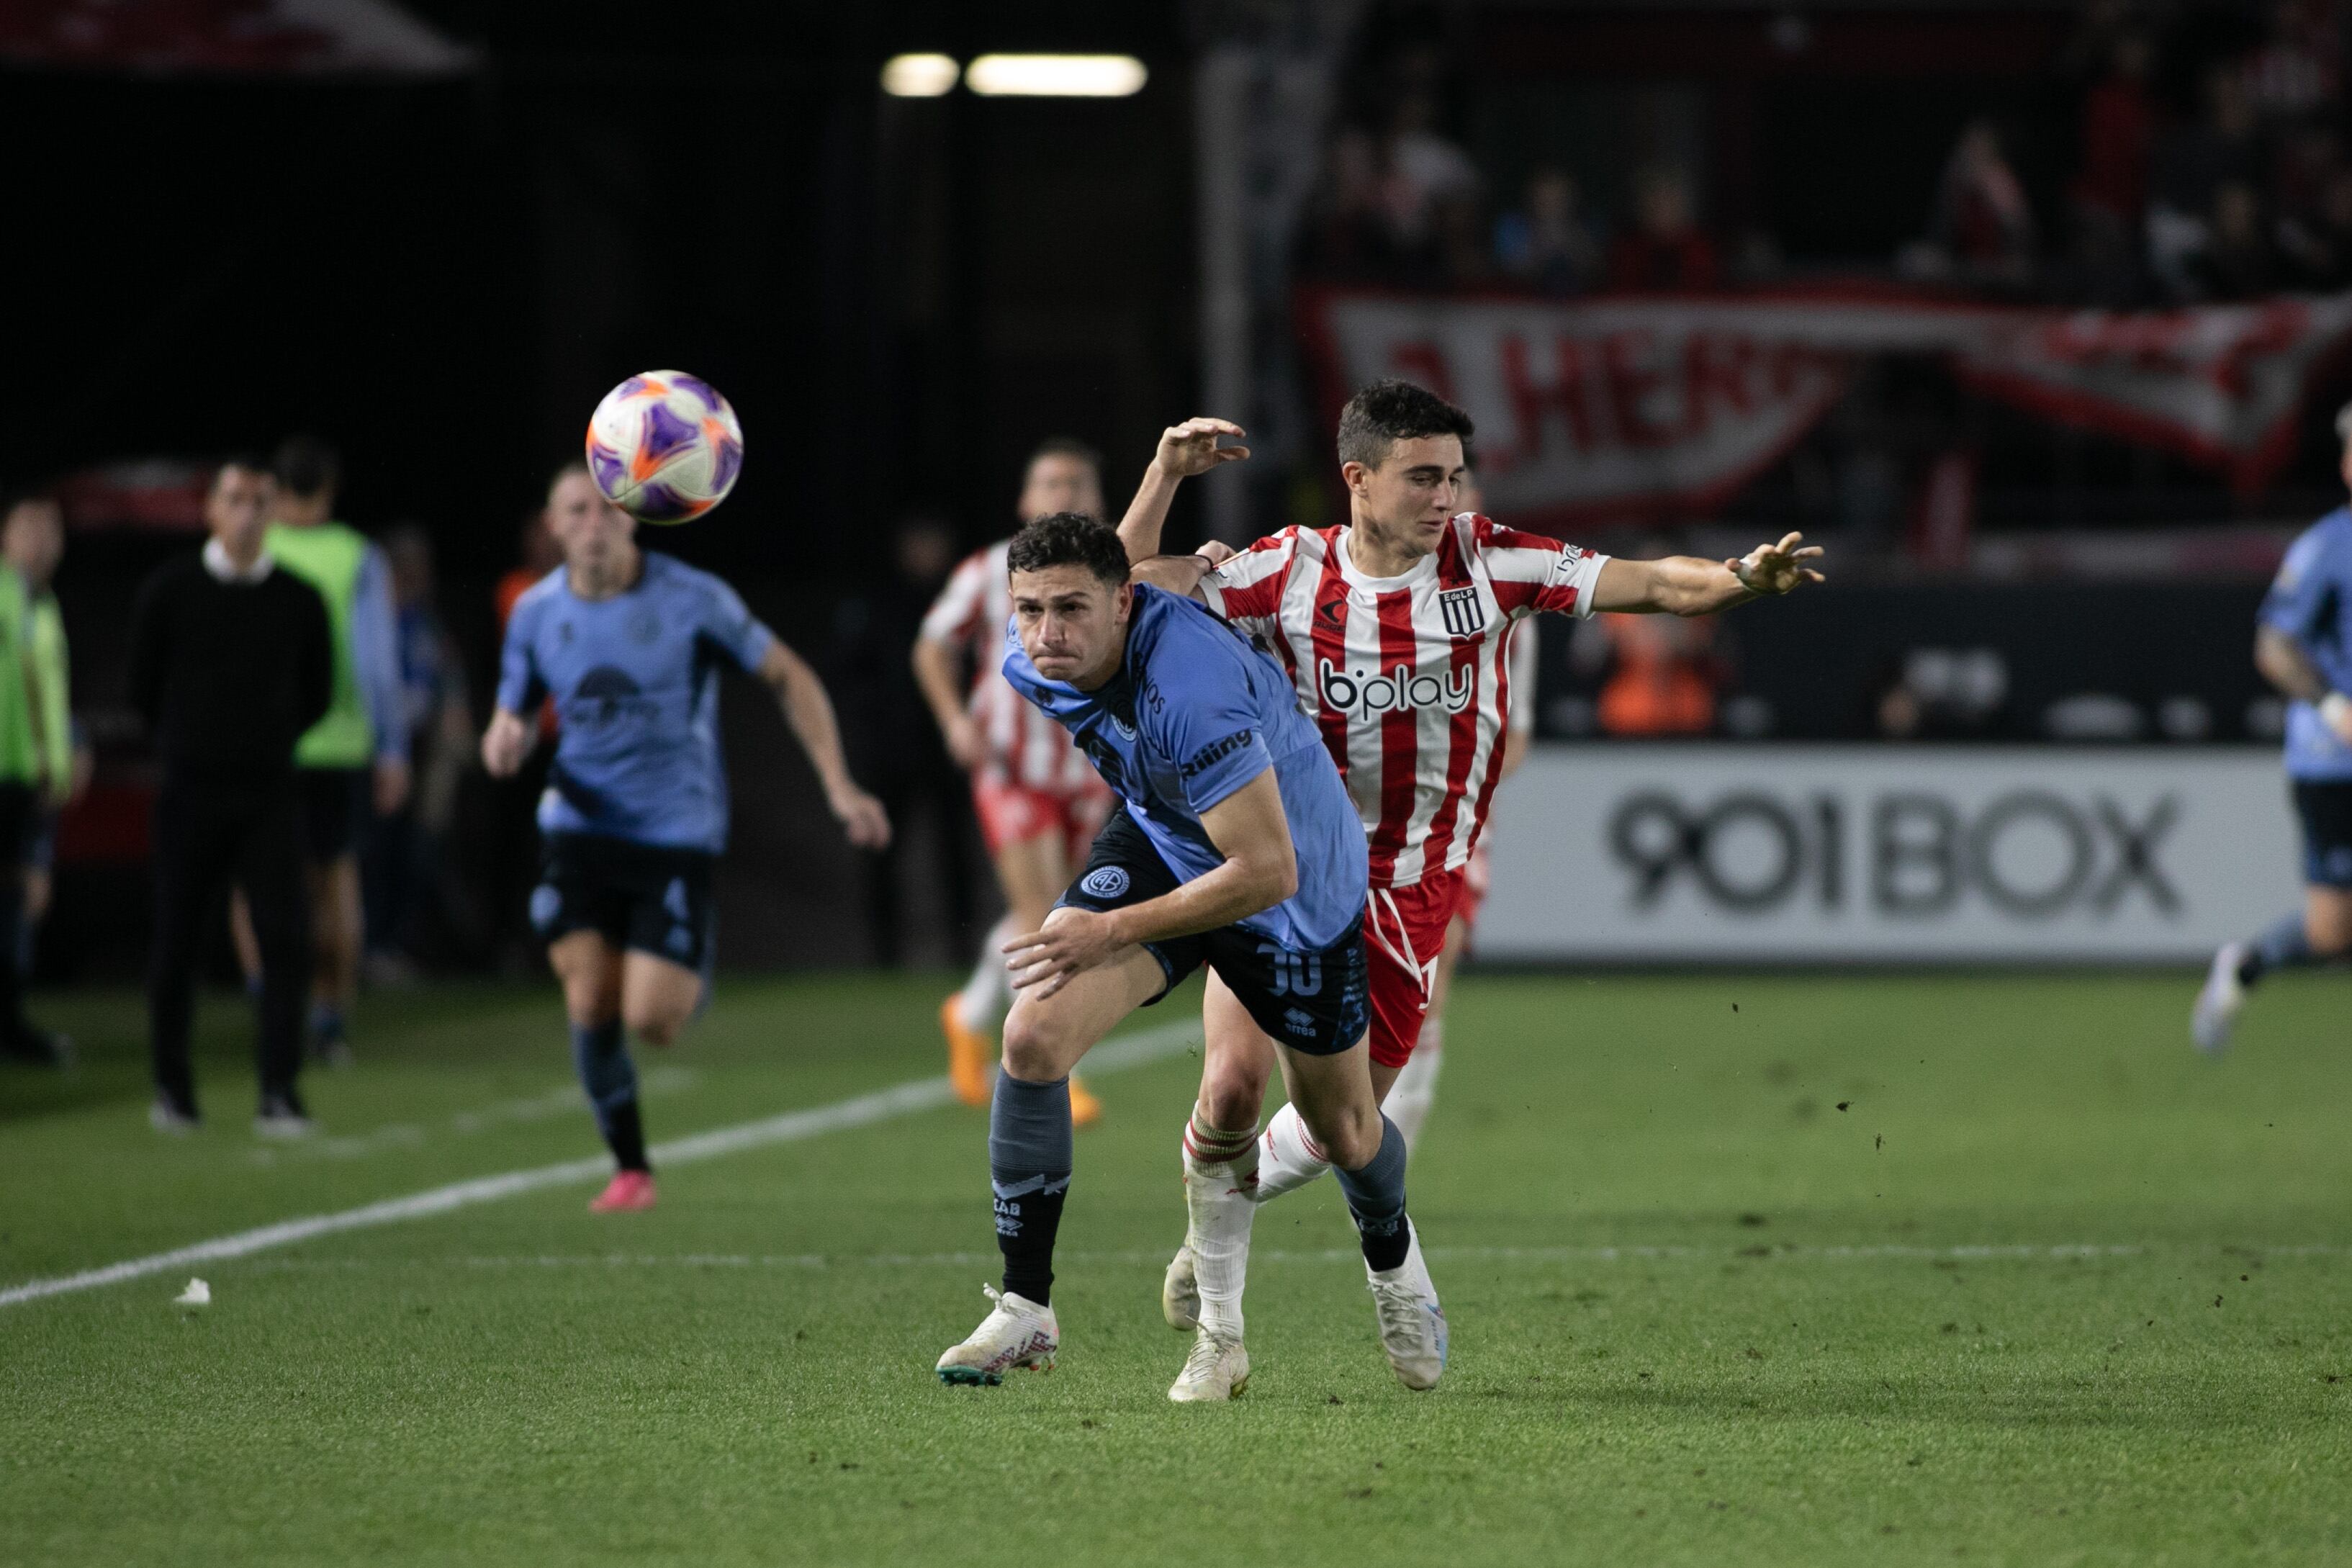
{"points": [[2298, 602], [1246, 591], [955, 617], [520, 685], [729, 625], [1524, 639], [1533, 574], [1196, 711]]}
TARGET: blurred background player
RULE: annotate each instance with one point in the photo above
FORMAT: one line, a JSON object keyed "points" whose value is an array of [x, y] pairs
{"points": [[231, 662], [1394, 628], [1415, 1089], [29, 780], [627, 642], [1039, 801], [33, 541], [2303, 646], [355, 761]]}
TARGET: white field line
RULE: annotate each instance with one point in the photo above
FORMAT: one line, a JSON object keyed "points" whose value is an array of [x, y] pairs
{"points": [[792, 1126], [2064, 1252]]}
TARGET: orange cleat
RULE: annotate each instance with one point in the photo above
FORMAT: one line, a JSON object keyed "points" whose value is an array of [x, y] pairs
{"points": [[970, 1056], [627, 1193], [1085, 1108]]}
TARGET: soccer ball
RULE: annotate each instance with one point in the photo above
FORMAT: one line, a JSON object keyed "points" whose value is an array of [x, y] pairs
{"points": [[664, 446]]}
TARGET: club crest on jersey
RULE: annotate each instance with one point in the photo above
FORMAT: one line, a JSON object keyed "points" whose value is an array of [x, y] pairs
{"points": [[1361, 695], [1105, 882], [1464, 616]]}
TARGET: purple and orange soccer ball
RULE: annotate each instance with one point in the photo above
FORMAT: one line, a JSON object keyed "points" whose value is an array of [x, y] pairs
{"points": [[664, 446]]}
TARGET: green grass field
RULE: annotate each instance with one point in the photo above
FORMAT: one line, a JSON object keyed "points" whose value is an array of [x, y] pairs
{"points": [[1978, 1269]]}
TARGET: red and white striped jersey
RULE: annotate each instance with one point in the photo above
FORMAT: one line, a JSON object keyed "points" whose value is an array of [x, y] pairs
{"points": [[1024, 747], [1409, 677]]}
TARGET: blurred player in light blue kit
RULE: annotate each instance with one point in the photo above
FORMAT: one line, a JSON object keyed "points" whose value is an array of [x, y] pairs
{"points": [[628, 642], [2303, 646]]}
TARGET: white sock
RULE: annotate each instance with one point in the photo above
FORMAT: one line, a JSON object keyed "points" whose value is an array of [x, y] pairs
{"points": [[1415, 1089], [1219, 1174], [1287, 1159], [989, 992]]}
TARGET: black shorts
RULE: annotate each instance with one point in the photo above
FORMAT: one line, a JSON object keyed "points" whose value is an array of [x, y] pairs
{"points": [[335, 804], [1314, 1000], [648, 897], [2325, 808]]}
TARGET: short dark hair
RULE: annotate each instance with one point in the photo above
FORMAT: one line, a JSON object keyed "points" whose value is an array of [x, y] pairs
{"points": [[1387, 412], [1066, 446], [250, 462], [306, 465], [1068, 539]]}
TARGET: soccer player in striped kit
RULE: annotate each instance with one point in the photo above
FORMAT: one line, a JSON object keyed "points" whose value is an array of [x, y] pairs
{"points": [[1039, 803], [1395, 629]]}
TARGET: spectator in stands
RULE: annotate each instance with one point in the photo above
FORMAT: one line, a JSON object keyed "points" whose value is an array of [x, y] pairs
{"points": [[2236, 261], [1665, 248], [2295, 73], [1423, 173], [2189, 165], [1982, 225], [1346, 238], [2110, 190], [1545, 244], [231, 661], [2316, 247]]}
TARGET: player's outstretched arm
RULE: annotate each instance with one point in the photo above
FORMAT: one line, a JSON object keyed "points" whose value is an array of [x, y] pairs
{"points": [[1260, 870], [1184, 450], [1687, 586], [809, 712], [1181, 574]]}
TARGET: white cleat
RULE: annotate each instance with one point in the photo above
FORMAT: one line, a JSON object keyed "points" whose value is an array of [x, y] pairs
{"points": [[1412, 1325], [1217, 1369], [1179, 1292], [2218, 1005], [1016, 1332]]}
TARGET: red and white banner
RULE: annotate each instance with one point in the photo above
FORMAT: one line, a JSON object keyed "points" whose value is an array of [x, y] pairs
{"points": [[1630, 404]]}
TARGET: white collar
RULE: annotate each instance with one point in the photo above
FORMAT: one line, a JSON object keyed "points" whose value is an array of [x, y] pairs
{"points": [[223, 570]]}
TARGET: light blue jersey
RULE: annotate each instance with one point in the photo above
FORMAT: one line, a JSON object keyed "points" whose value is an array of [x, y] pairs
{"points": [[1194, 714], [635, 679], [2308, 600]]}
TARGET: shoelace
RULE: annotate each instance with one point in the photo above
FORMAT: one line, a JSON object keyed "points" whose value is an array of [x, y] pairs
{"points": [[1399, 1307], [1206, 1349]]}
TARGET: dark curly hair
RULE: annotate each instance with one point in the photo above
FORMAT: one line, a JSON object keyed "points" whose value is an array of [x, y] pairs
{"points": [[1387, 412], [1069, 539]]}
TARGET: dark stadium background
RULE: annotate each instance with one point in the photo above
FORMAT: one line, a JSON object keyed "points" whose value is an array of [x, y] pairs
{"points": [[902, 296]]}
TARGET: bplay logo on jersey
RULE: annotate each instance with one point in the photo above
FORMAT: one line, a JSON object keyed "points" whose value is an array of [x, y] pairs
{"points": [[1361, 694]]}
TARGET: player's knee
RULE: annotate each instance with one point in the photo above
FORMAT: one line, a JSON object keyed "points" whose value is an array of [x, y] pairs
{"points": [[1348, 1135], [1231, 1092], [1038, 1045], [2328, 923], [656, 1026]]}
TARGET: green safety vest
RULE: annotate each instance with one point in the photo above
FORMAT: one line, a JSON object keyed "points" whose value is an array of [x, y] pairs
{"points": [[45, 645], [20, 758], [328, 556]]}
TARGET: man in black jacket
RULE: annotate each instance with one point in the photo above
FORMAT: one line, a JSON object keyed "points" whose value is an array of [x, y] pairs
{"points": [[230, 663]]}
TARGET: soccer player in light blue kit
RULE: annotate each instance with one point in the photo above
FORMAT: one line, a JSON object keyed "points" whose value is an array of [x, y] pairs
{"points": [[628, 644], [1235, 846], [2303, 646]]}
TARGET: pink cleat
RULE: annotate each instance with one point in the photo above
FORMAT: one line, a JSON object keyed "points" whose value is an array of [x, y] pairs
{"points": [[627, 1193]]}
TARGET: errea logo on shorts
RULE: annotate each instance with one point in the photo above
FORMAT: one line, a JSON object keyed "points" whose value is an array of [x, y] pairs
{"points": [[1361, 695], [1104, 882]]}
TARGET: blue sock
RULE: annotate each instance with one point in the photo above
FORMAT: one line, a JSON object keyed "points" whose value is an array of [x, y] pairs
{"points": [[2284, 945], [1376, 1198], [610, 1079], [1029, 1159]]}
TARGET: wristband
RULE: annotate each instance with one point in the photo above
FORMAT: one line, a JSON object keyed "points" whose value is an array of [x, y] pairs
{"points": [[2332, 709]]}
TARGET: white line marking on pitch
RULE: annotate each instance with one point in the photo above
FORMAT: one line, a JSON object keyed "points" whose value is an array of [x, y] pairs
{"points": [[791, 1126]]}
